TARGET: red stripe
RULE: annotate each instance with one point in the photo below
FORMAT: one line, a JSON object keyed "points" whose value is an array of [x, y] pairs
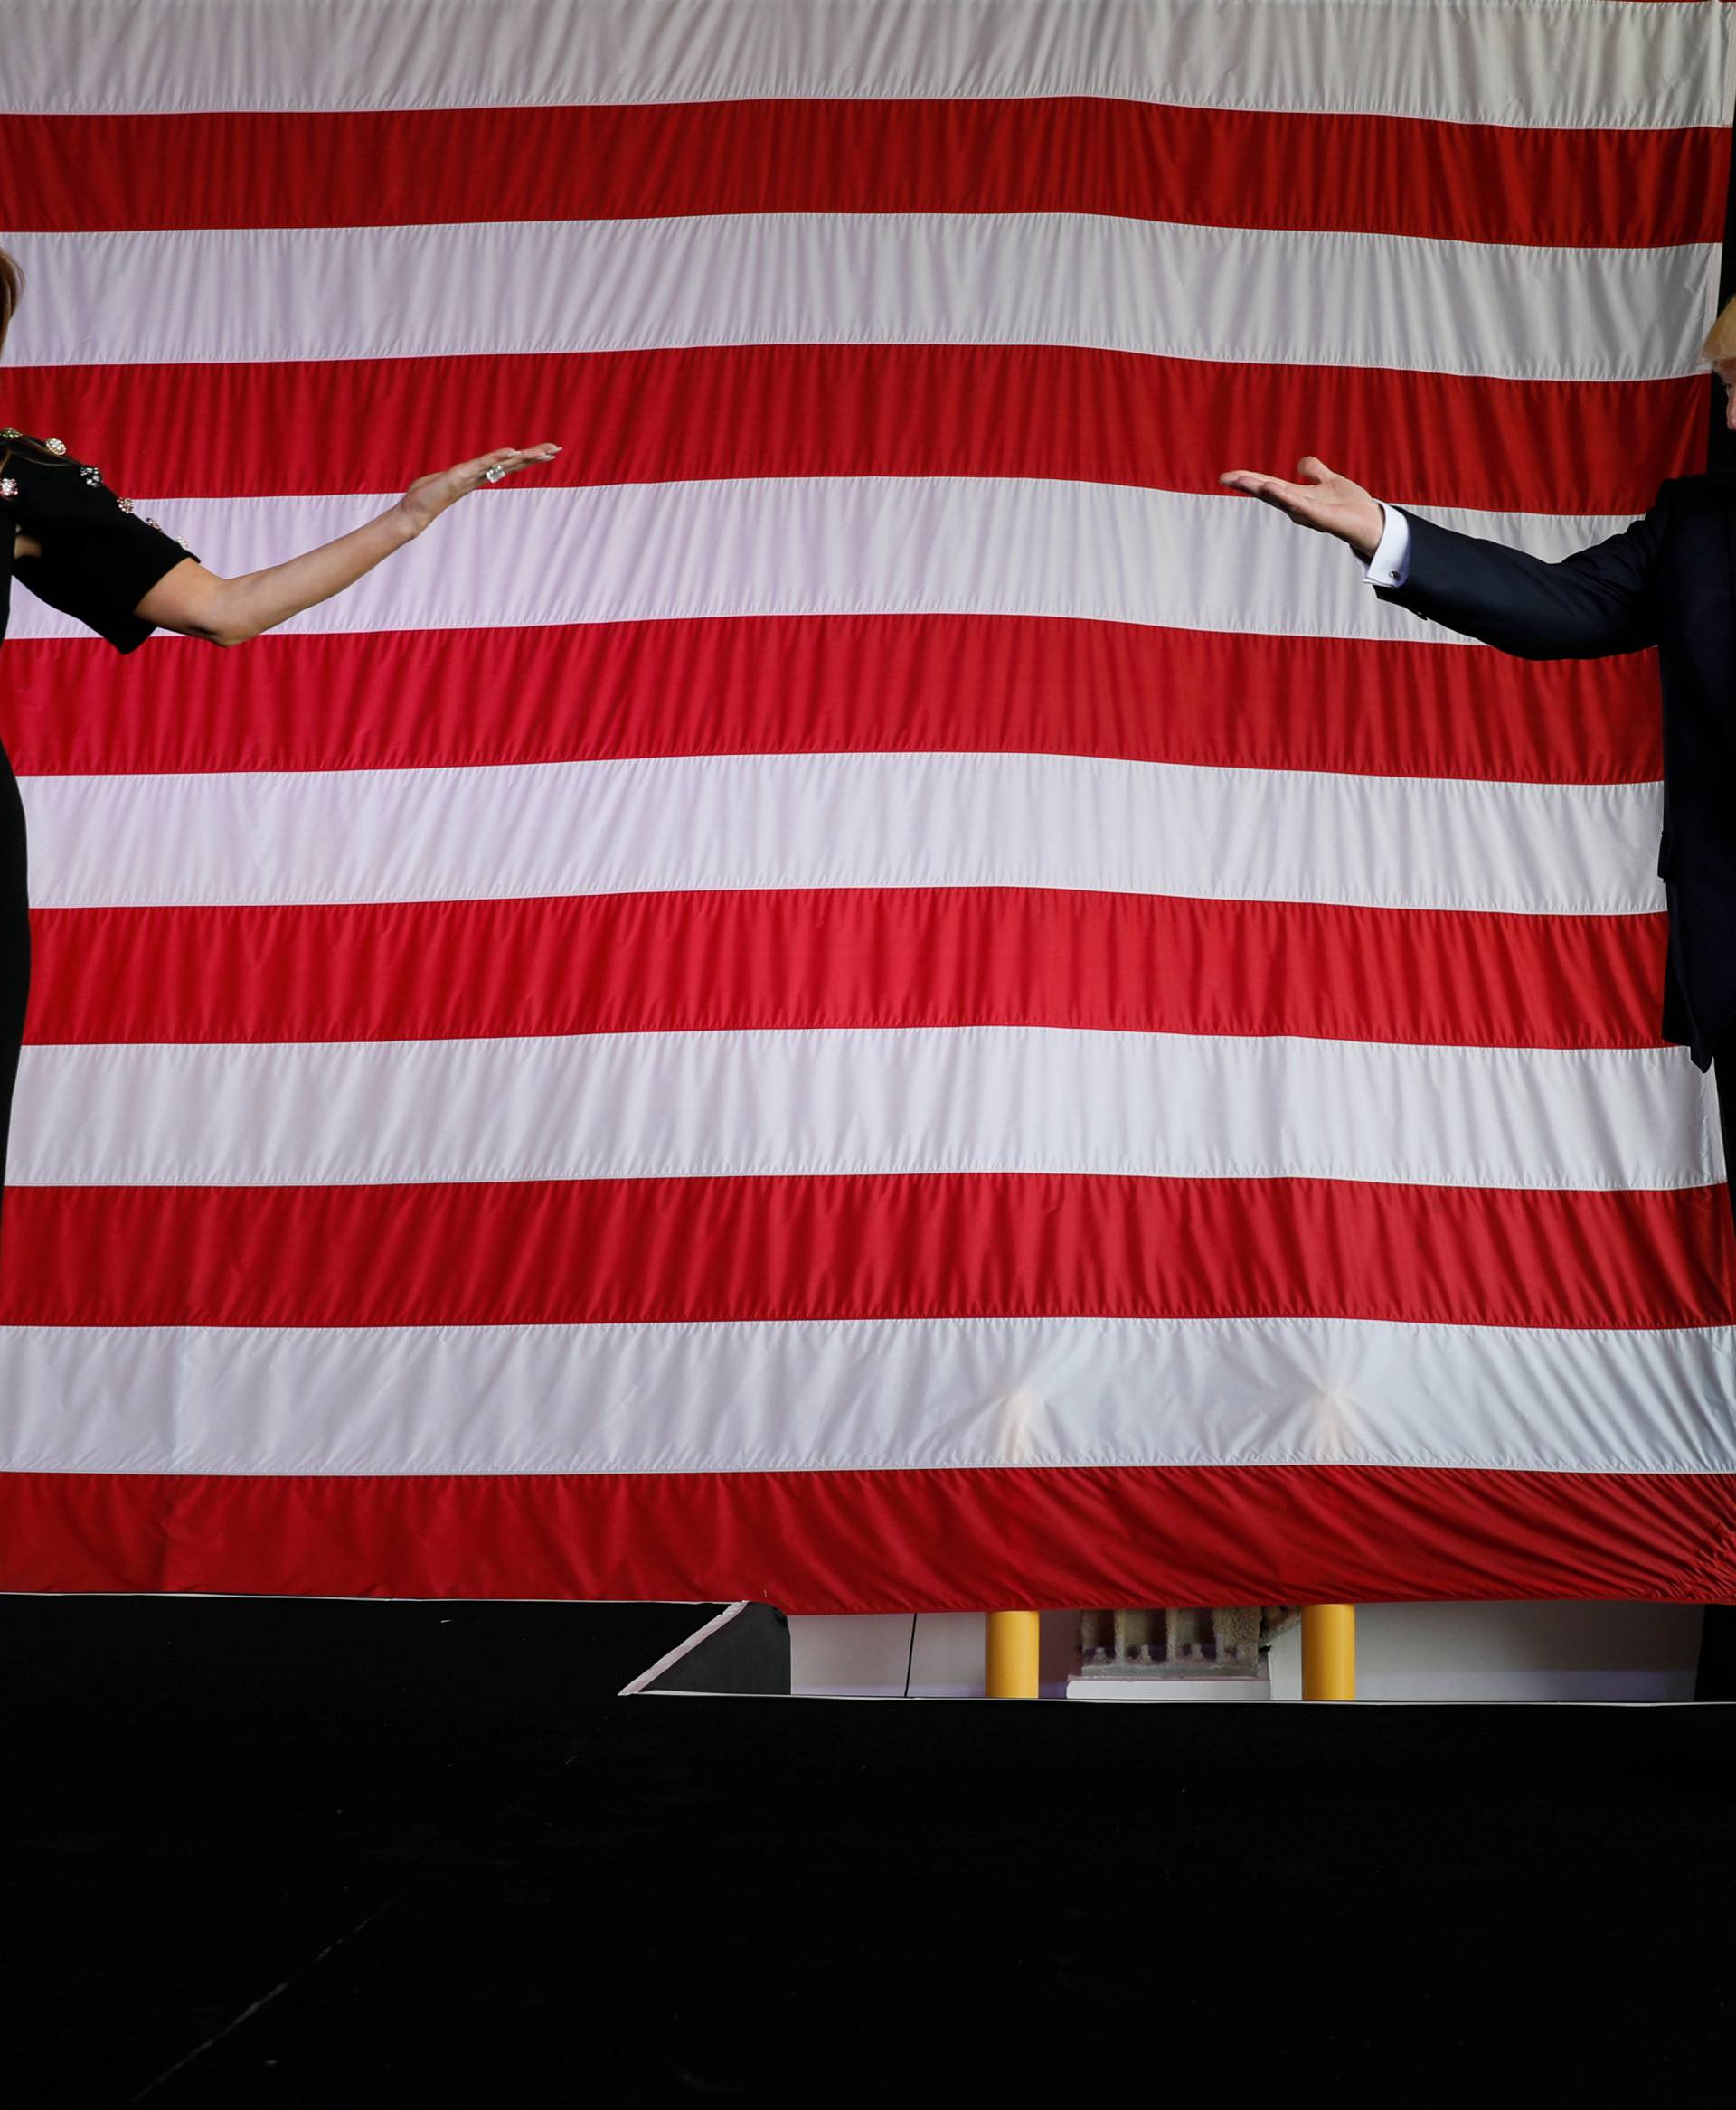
{"points": [[1039, 154], [884, 1247], [898, 956], [373, 425], [888, 1541], [882, 683]]}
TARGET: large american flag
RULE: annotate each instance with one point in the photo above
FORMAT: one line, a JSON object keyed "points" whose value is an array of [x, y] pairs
{"points": [[870, 993]]}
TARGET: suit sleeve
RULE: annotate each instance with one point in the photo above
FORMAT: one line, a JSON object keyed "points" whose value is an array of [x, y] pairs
{"points": [[100, 559], [1598, 601]]}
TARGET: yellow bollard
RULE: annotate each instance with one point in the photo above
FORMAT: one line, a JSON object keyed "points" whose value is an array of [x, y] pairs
{"points": [[1328, 1652], [1010, 1655]]}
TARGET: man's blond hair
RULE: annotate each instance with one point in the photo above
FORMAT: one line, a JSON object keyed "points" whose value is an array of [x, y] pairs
{"points": [[1721, 339]]}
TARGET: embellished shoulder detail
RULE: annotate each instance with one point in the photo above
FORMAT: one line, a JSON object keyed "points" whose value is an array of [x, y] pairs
{"points": [[55, 450], [97, 556], [52, 446]]}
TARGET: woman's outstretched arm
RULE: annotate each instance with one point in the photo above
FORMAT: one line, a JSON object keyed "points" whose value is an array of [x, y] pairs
{"points": [[199, 603]]}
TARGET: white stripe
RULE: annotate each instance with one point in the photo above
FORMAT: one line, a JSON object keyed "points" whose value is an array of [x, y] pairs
{"points": [[804, 546], [709, 823], [1599, 63], [832, 1395], [1219, 293], [805, 1101]]}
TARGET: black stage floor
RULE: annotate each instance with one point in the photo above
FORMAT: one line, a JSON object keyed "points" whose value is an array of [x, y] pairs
{"points": [[269, 1852]]}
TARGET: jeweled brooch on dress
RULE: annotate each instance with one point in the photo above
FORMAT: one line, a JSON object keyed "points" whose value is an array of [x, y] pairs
{"points": [[9, 486], [91, 474], [10, 432], [125, 504], [55, 446]]}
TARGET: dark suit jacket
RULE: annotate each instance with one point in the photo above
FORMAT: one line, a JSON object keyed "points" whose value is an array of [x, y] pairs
{"points": [[1669, 580]]}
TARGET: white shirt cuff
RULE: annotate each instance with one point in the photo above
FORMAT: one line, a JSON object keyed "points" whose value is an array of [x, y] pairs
{"points": [[1391, 563]]}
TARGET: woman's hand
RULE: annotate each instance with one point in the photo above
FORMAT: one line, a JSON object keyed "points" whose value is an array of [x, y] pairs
{"points": [[429, 496], [1330, 502]]}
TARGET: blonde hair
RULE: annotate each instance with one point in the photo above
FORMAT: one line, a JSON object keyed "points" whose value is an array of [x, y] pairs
{"points": [[12, 284], [1721, 339]]}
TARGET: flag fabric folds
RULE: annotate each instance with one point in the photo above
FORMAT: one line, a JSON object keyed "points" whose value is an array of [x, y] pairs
{"points": [[869, 992]]}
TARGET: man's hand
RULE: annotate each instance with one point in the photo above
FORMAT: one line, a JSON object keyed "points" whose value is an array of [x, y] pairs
{"points": [[1330, 502]]}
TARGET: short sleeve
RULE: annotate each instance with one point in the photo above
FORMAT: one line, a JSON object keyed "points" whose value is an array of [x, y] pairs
{"points": [[99, 558]]}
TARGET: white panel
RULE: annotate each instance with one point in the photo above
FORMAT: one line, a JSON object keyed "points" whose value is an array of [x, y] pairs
{"points": [[972, 1099], [799, 546], [1280, 297], [1602, 62], [798, 1396], [674, 824], [1584, 1653]]}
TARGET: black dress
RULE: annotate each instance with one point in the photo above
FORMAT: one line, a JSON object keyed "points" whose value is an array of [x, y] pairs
{"points": [[98, 560]]}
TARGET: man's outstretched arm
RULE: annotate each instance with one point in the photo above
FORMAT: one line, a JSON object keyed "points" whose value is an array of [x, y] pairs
{"points": [[1597, 601]]}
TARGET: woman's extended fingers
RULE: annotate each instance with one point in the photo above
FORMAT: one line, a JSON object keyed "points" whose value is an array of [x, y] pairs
{"points": [[506, 459]]}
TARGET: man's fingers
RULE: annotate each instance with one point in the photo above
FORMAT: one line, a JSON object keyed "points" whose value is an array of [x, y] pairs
{"points": [[1274, 490], [1253, 482], [1257, 485]]}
